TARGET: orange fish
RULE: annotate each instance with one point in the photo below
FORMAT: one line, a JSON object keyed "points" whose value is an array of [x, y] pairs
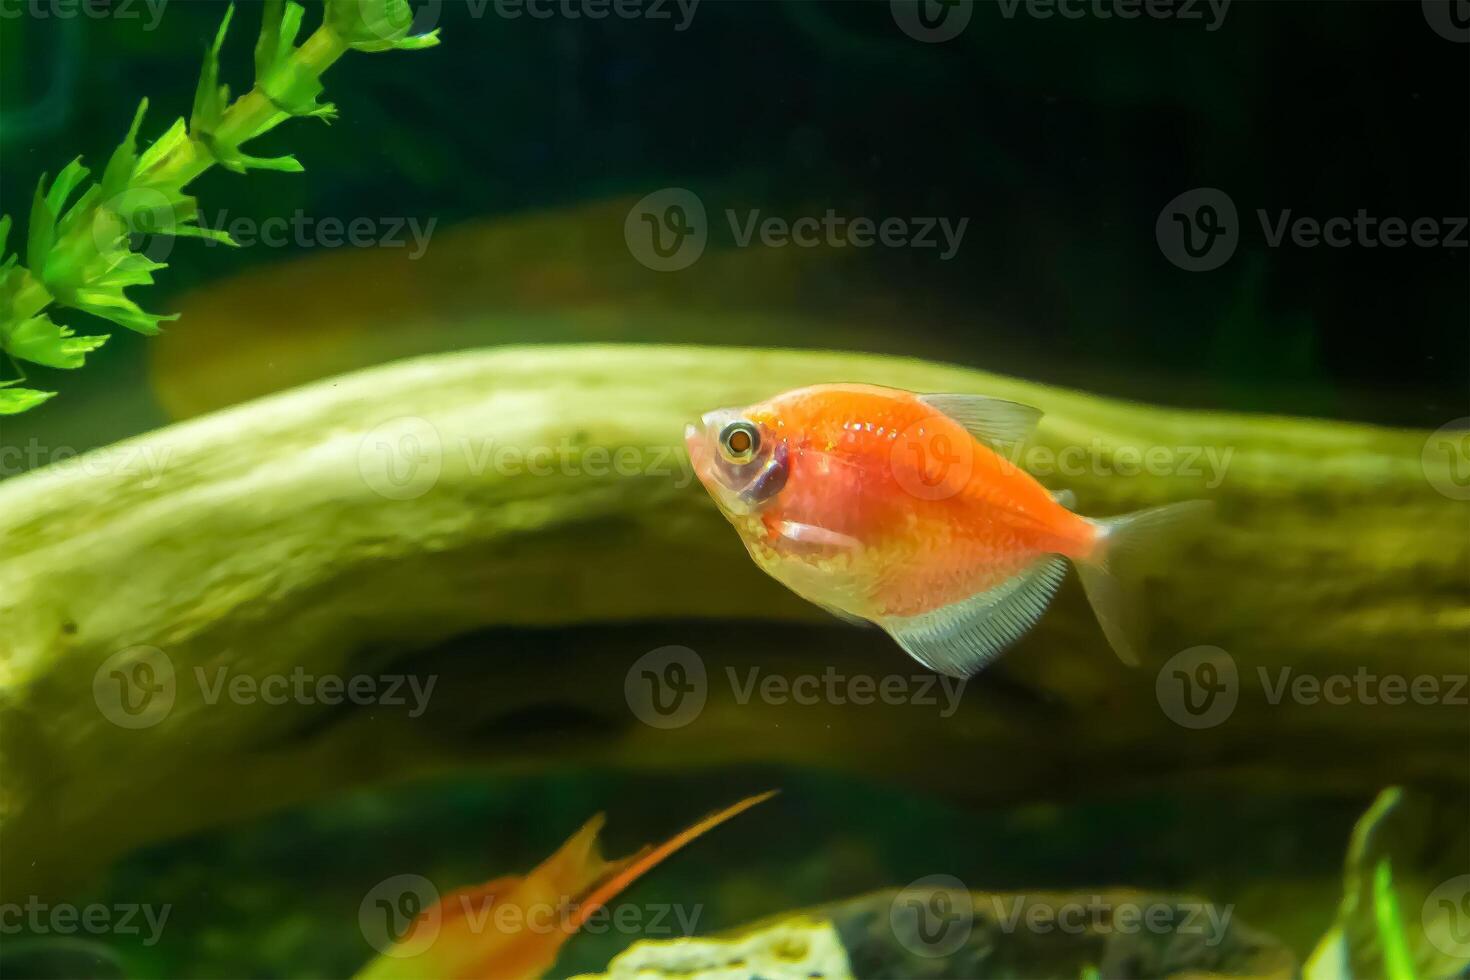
{"points": [[513, 928], [898, 509]]}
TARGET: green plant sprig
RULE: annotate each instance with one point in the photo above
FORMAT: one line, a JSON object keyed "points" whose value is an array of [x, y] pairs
{"points": [[81, 255]]}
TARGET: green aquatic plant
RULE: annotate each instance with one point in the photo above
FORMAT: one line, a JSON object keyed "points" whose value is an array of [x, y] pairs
{"points": [[82, 245], [1398, 960]]}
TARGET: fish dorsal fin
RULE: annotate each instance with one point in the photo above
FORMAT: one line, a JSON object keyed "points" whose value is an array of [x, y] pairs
{"points": [[624, 872], [961, 638], [994, 421]]}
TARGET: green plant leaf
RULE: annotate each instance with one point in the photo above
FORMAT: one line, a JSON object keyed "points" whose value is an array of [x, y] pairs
{"points": [[1398, 961], [42, 234], [13, 401], [68, 180], [79, 246], [268, 46], [376, 25], [211, 98], [111, 304], [39, 340], [124, 159], [163, 147]]}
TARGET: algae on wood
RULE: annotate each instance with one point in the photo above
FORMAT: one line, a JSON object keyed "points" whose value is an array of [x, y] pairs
{"points": [[339, 528]]}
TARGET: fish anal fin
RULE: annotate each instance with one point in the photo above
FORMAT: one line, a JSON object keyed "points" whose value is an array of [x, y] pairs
{"points": [[961, 638], [994, 421]]}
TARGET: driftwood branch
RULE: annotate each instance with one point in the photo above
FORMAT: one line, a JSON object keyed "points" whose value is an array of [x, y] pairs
{"points": [[437, 517]]}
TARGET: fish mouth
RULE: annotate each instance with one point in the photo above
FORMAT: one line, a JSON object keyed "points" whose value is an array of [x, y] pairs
{"points": [[695, 447]]}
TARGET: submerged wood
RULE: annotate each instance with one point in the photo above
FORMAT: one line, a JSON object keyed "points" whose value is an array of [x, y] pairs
{"points": [[466, 517]]}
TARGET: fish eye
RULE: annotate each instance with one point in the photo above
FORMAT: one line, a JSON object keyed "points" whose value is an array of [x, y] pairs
{"points": [[739, 442]]}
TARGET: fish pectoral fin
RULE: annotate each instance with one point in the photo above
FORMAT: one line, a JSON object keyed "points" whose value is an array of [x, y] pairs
{"points": [[961, 638], [813, 538], [994, 421]]}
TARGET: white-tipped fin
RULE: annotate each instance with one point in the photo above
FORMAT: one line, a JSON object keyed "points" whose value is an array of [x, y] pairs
{"points": [[961, 638], [1123, 540], [994, 421], [1066, 498]]}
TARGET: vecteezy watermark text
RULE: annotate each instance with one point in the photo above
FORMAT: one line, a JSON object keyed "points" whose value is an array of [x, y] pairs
{"points": [[680, 13], [1209, 12], [404, 458], [668, 688], [138, 687], [935, 915], [402, 916], [138, 459], [937, 21], [301, 230], [1200, 230], [669, 230], [38, 918], [152, 10], [1200, 687]]}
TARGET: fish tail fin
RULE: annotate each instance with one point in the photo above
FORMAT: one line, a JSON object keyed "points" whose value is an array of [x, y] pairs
{"points": [[1121, 541]]}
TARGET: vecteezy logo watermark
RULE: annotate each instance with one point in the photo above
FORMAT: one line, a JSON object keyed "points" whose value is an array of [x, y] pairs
{"points": [[401, 459], [1210, 12], [669, 229], [137, 688], [932, 916], [1450, 19], [1201, 687], [1199, 230], [668, 688], [930, 461], [403, 916], [404, 458], [1446, 459], [38, 918], [932, 21], [1446, 917], [134, 688], [152, 10], [1198, 687], [396, 907]]}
